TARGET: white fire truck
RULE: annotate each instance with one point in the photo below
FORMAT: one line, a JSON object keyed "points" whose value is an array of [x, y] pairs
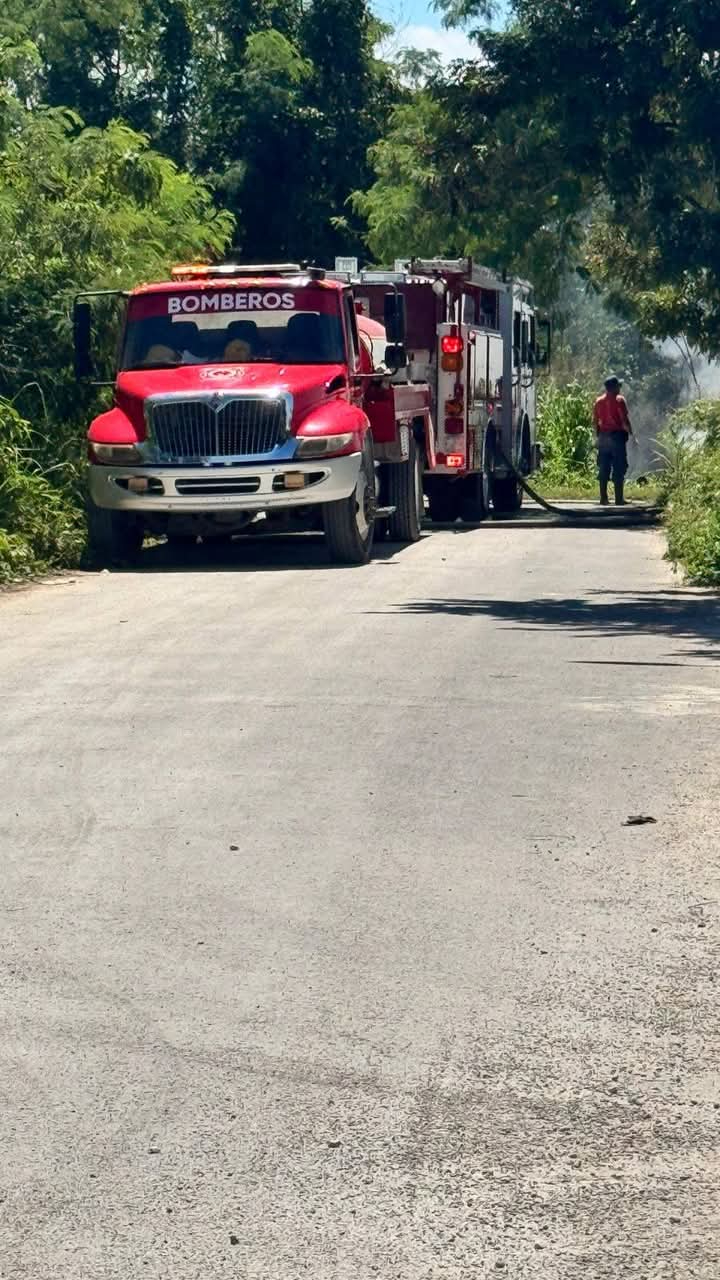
{"points": [[474, 337]]}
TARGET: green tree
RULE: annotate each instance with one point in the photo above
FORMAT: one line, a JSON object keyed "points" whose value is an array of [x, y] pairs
{"points": [[291, 103], [80, 208], [275, 102], [131, 60], [581, 134]]}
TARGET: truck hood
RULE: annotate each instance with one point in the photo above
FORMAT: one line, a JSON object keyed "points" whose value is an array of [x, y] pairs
{"points": [[304, 382]]}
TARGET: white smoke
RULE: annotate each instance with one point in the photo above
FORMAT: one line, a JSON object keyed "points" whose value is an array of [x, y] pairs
{"points": [[703, 375]]}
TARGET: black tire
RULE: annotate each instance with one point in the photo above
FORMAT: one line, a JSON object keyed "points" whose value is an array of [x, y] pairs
{"points": [[444, 501], [405, 494], [350, 523], [181, 541], [114, 537], [507, 496], [474, 505]]}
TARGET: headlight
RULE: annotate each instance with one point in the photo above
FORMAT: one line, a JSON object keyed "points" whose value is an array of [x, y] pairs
{"points": [[115, 455], [323, 446]]}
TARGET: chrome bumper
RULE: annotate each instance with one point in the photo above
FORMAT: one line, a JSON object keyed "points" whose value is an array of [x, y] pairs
{"points": [[205, 489]]}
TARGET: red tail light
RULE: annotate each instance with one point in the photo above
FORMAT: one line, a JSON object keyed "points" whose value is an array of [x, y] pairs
{"points": [[455, 460], [452, 344]]}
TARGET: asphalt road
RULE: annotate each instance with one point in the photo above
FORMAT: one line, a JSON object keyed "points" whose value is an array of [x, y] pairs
{"points": [[324, 949]]}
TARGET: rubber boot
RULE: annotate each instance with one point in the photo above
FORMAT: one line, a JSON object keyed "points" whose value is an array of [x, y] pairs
{"points": [[620, 493], [604, 500]]}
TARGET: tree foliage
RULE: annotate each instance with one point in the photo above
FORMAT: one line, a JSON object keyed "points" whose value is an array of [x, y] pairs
{"points": [[273, 102], [582, 133], [80, 208], [84, 208]]}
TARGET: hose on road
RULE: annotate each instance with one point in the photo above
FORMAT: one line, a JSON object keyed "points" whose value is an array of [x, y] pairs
{"points": [[607, 515]]}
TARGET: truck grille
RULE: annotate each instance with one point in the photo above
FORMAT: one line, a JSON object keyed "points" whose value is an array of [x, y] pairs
{"points": [[195, 430]]}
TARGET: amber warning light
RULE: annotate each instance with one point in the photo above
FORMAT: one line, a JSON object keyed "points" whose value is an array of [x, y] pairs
{"points": [[191, 271]]}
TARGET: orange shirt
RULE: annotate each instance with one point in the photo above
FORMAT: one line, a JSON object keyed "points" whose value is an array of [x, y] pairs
{"points": [[611, 413]]}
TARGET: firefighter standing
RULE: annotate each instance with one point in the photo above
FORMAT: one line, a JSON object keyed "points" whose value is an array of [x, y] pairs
{"points": [[613, 427]]}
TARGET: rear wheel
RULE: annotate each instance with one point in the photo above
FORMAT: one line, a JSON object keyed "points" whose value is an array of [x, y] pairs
{"points": [[507, 495], [444, 501], [405, 494], [475, 502], [350, 523], [114, 537]]}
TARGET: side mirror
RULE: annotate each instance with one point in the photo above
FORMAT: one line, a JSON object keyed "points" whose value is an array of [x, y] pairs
{"points": [[82, 336], [396, 356], [395, 317]]}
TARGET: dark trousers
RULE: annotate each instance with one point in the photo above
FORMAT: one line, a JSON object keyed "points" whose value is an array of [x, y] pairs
{"points": [[612, 457]]}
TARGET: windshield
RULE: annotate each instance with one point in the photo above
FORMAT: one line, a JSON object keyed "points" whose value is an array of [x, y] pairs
{"points": [[240, 327]]}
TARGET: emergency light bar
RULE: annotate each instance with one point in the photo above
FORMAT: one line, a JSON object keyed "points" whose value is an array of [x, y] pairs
{"points": [[382, 277], [233, 270], [441, 266], [257, 269]]}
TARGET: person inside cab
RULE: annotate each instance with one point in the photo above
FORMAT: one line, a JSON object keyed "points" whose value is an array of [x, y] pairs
{"points": [[242, 342]]}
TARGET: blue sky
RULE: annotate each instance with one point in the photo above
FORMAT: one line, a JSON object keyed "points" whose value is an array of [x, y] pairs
{"points": [[418, 24], [415, 11]]}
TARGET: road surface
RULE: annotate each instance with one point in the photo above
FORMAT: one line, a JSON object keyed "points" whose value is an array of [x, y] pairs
{"points": [[325, 951]]}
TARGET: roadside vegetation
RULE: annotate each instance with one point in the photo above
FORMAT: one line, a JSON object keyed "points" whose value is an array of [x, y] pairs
{"points": [[691, 491], [132, 137], [40, 516]]}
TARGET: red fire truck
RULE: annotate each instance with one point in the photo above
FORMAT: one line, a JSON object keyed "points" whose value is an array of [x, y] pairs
{"points": [[470, 334], [247, 391], [314, 400]]}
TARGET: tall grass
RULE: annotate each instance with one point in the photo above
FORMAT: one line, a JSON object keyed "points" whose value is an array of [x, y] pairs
{"points": [[566, 432]]}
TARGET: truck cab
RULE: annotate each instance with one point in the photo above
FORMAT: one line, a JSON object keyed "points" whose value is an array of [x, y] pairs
{"points": [[244, 393]]}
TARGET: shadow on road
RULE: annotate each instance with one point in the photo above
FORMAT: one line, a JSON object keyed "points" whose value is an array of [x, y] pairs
{"points": [[680, 615], [264, 552]]}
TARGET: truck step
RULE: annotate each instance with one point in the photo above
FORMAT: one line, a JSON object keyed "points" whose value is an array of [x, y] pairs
{"points": [[382, 513]]}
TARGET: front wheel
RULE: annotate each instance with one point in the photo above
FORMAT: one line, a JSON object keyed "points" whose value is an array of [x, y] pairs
{"points": [[350, 523], [405, 494], [114, 537]]}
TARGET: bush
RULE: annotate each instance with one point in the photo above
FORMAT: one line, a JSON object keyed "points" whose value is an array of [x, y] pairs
{"points": [[692, 491], [41, 525], [566, 432]]}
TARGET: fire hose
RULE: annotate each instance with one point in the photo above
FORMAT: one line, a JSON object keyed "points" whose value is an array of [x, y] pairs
{"points": [[621, 515]]}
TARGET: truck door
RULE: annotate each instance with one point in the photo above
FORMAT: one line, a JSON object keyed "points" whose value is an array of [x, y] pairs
{"points": [[352, 339]]}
